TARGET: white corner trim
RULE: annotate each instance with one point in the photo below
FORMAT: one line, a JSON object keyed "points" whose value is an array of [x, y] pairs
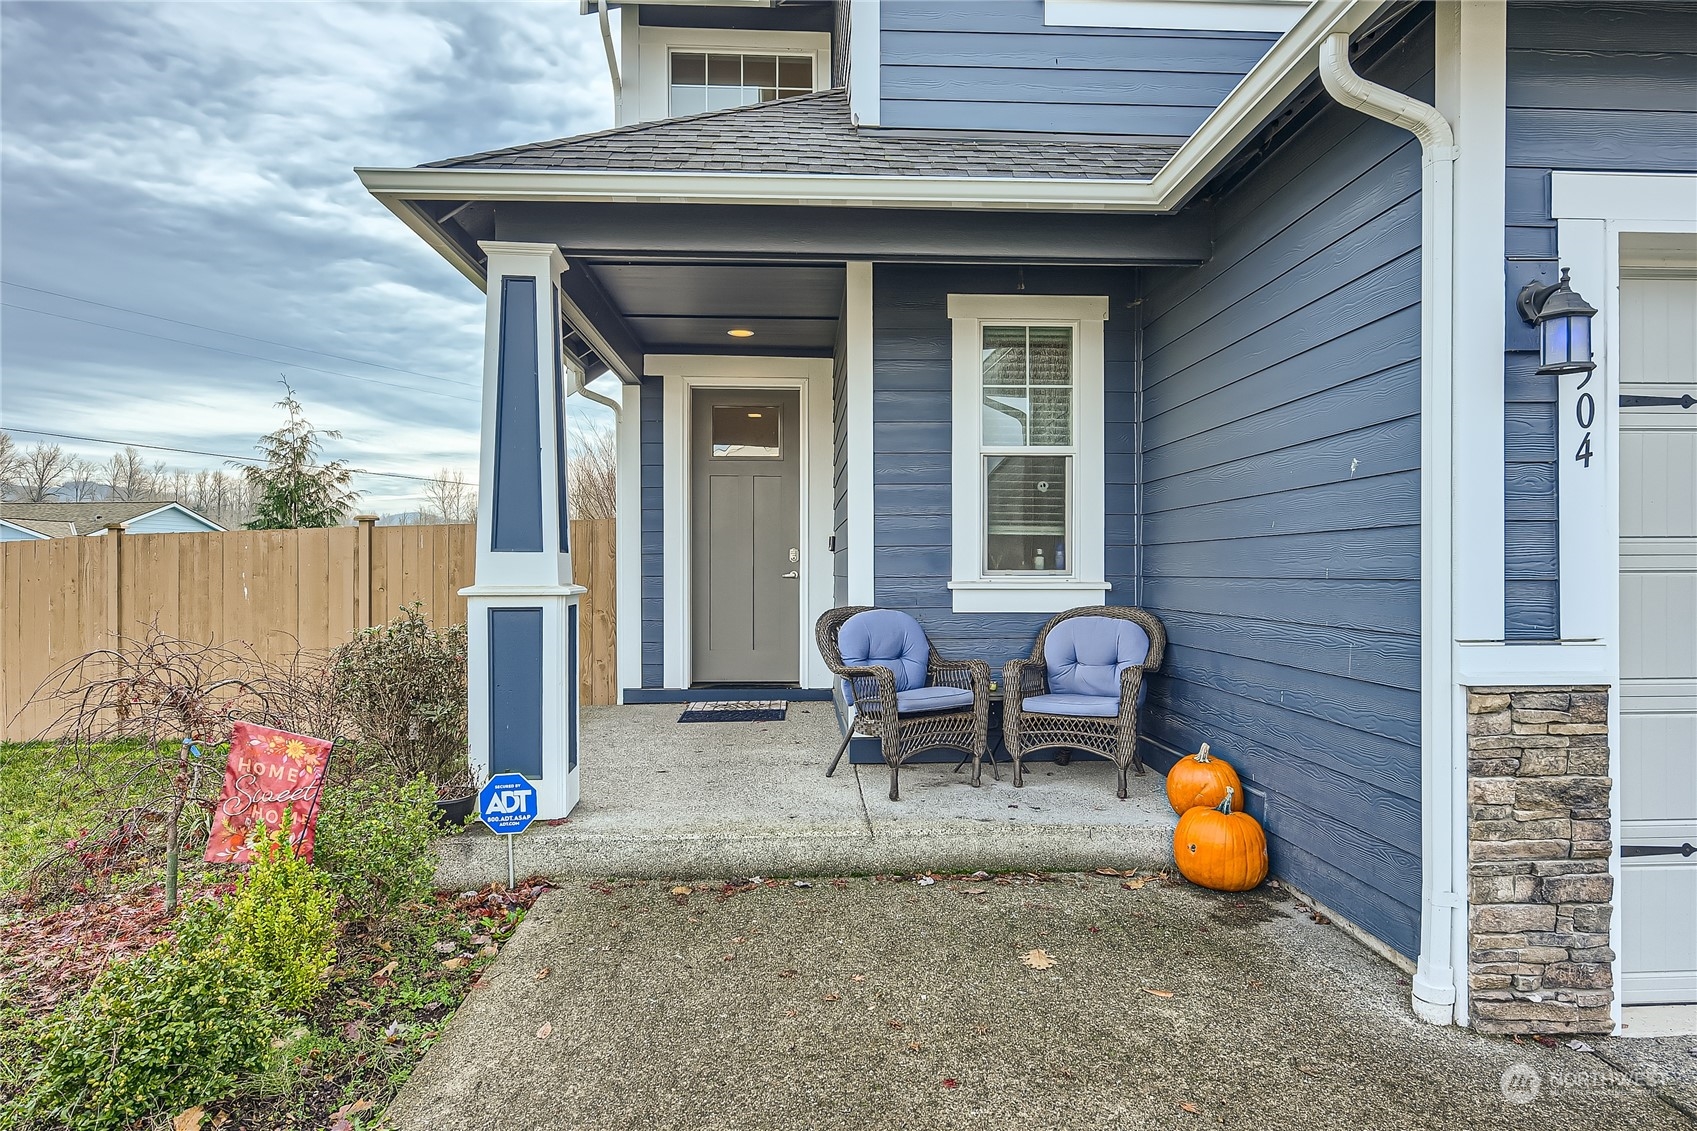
{"points": [[1175, 15], [858, 386], [865, 85], [651, 79], [1623, 197], [971, 589], [628, 540], [811, 376]]}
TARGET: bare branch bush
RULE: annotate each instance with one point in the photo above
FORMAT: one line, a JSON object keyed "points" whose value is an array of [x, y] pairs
{"points": [[592, 474]]}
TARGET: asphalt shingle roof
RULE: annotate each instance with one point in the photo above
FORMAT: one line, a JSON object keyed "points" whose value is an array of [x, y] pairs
{"points": [[59, 519], [814, 133]]}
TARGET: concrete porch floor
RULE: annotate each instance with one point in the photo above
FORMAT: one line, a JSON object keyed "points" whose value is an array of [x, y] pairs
{"points": [[663, 798]]}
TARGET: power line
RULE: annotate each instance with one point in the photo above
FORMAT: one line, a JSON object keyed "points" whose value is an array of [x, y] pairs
{"points": [[231, 333], [197, 452], [239, 353]]}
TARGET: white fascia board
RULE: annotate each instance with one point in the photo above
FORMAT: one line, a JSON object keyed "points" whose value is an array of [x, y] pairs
{"points": [[24, 530], [1175, 15], [1279, 74]]}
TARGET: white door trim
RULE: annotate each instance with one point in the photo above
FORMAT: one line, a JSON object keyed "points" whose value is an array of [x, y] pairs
{"points": [[1592, 212], [811, 377], [628, 532]]}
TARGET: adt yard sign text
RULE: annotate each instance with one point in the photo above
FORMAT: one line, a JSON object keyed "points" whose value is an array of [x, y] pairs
{"points": [[507, 804]]}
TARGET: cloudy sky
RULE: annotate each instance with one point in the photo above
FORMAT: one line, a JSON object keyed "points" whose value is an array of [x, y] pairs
{"points": [[185, 171]]}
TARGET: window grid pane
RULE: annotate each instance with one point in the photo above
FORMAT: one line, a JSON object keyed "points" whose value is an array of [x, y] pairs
{"points": [[702, 82], [1027, 513]]}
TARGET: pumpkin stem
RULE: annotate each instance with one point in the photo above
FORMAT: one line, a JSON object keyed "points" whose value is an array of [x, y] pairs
{"points": [[1226, 805], [1202, 754]]}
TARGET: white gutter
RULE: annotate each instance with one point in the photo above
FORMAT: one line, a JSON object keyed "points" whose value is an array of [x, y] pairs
{"points": [[1443, 959], [1279, 74]]}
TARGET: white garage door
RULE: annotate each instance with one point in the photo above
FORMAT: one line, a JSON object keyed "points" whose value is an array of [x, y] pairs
{"points": [[1658, 607]]}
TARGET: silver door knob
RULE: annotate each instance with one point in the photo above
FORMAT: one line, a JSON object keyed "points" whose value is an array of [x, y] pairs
{"points": [[792, 574]]}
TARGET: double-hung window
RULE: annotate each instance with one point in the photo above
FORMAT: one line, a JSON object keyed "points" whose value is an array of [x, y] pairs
{"points": [[702, 80], [1027, 452]]}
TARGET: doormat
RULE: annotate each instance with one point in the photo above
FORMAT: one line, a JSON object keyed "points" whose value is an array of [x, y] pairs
{"points": [[735, 711]]}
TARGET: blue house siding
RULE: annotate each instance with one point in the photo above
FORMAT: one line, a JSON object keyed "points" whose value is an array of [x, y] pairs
{"points": [[912, 421], [653, 536], [1281, 503], [968, 64], [1590, 87]]}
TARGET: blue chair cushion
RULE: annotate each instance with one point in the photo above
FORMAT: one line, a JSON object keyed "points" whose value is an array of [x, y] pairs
{"points": [[1085, 655], [920, 700], [887, 638], [1067, 703]]}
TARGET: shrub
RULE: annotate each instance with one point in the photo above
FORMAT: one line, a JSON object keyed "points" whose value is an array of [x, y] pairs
{"points": [[280, 920], [376, 844], [173, 1027], [402, 685]]}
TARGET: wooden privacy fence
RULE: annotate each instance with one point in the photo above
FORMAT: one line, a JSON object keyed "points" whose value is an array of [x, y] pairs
{"points": [[277, 590]]}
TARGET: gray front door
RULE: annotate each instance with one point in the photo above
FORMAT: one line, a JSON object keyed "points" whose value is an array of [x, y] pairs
{"points": [[745, 572]]}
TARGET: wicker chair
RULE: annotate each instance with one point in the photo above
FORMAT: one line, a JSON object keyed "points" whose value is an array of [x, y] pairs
{"points": [[1081, 688], [902, 692]]}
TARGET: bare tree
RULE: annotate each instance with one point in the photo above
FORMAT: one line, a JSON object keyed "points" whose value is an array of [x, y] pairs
{"points": [[11, 464], [82, 482], [449, 498], [592, 474], [127, 477], [41, 472]]}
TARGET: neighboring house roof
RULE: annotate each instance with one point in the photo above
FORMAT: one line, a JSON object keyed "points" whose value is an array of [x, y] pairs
{"points": [[66, 520], [815, 134]]}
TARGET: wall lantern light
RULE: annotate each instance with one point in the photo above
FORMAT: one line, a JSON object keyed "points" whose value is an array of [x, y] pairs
{"points": [[1564, 326]]}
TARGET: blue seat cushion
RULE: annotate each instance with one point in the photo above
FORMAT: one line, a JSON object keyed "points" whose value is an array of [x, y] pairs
{"points": [[887, 638], [921, 700], [1065, 703], [1085, 655]]}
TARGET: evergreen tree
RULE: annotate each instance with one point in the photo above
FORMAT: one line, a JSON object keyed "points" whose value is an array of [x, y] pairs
{"points": [[294, 489]]}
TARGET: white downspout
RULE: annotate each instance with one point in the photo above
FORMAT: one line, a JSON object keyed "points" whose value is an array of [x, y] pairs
{"points": [[1442, 887], [580, 385], [612, 60]]}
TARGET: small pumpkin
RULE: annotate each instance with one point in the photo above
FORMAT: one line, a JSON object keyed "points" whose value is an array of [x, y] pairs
{"points": [[1220, 849], [1198, 779]]}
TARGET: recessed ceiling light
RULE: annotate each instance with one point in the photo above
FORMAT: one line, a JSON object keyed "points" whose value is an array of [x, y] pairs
{"points": [[739, 332], [754, 416]]}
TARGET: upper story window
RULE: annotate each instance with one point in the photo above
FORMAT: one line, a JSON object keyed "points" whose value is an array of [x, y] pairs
{"points": [[1028, 452], [702, 81]]}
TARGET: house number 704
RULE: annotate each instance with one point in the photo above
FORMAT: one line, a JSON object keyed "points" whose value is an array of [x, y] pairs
{"points": [[1585, 411]]}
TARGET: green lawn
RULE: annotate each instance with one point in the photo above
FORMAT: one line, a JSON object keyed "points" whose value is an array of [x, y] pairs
{"points": [[45, 801]]}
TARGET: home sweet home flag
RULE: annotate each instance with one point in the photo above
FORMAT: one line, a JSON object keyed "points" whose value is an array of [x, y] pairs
{"points": [[270, 773]]}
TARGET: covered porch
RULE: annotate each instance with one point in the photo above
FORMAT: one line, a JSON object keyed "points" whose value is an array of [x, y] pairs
{"points": [[739, 799]]}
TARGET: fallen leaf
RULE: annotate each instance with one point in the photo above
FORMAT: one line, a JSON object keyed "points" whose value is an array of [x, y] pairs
{"points": [[857, 978], [544, 972], [453, 963], [189, 1120], [386, 948], [446, 947], [895, 1024], [832, 997], [489, 951], [1158, 993], [1038, 959], [481, 940], [681, 890], [546, 1031], [1308, 1068], [926, 881], [1133, 885], [359, 1003], [388, 968], [788, 973], [1109, 872], [789, 1013], [915, 1046], [950, 1082], [975, 891], [1191, 1108], [341, 1118]]}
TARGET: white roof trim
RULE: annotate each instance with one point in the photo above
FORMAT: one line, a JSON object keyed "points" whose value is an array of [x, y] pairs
{"points": [[24, 530], [1279, 74]]}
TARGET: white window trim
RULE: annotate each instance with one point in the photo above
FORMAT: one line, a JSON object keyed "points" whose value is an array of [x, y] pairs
{"points": [[972, 590], [1176, 15], [655, 45]]}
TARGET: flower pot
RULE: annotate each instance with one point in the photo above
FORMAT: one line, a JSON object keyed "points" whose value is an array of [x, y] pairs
{"points": [[455, 810]]}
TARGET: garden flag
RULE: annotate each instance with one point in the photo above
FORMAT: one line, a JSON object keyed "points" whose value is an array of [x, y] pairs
{"points": [[270, 773]]}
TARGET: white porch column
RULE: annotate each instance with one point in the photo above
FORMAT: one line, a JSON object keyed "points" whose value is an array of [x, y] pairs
{"points": [[522, 618]]}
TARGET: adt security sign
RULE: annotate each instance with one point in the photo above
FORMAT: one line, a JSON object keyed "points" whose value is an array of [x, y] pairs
{"points": [[507, 805]]}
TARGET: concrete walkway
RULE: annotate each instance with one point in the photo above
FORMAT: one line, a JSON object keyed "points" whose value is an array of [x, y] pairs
{"points": [[857, 1004], [663, 798]]}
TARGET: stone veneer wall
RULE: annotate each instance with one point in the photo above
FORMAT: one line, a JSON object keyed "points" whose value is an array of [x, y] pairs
{"points": [[1538, 860]]}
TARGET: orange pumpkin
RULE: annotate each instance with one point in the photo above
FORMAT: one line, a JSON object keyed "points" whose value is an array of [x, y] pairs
{"points": [[1197, 779], [1220, 849]]}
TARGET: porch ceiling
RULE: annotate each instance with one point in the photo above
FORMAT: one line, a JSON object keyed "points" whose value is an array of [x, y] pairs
{"points": [[689, 307]]}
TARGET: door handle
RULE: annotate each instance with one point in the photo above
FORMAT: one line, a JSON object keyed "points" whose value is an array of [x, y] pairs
{"points": [[792, 574]]}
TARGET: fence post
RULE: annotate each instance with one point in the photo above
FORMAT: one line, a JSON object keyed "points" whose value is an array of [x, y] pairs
{"points": [[362, 571], [115, 582]]}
